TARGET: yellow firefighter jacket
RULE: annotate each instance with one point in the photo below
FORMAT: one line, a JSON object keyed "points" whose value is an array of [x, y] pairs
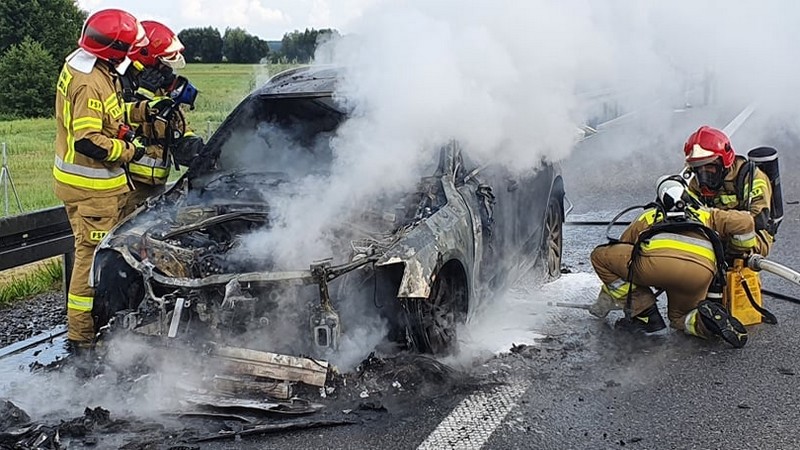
{"points": [[89, 110], [735, 228], [154, 167], [726, 198]]}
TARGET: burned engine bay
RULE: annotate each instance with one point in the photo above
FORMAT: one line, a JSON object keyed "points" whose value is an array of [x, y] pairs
{"points": [[195, 277]]}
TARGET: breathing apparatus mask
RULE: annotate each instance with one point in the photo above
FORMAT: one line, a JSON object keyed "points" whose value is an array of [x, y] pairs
{"points": [[183, 92], [710, 176]]}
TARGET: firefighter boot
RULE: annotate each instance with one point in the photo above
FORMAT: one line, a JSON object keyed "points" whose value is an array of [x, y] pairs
{"points": [[717, 321], [648, 321], [603, 305]]}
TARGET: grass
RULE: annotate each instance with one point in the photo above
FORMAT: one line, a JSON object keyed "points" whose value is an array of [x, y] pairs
{"points": [[25, 282], [30, 142], [31, 149]]}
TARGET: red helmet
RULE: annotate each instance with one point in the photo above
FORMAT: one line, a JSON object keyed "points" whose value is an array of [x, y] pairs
{"points": [[164, 46], [705, 145], [111, 35]]}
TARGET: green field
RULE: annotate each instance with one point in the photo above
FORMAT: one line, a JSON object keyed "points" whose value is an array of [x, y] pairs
{"points": [[30, 141]]}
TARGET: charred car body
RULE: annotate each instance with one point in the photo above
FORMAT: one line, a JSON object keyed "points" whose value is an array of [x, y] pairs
{"points": [[421, 260]]}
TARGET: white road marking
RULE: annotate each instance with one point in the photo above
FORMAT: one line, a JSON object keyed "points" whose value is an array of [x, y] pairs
{"points": [[474, 420], [737, 121]]}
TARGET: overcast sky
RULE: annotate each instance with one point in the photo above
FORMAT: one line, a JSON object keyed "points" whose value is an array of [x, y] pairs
{"points": [[268, 19]]}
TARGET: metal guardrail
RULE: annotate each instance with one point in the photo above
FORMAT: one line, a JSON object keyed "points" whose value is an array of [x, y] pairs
{"points": [[31, 237]]}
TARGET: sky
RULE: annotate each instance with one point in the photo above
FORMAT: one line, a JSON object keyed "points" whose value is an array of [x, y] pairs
{"points": [[268, 19]]}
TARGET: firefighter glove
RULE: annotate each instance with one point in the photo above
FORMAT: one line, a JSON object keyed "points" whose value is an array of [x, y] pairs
{"points": [[186, 149], [153, 79], [160, 108], [138, 149]]}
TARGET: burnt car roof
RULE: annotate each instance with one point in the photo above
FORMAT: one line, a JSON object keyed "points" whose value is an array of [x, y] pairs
{"points": [[302, 81]]}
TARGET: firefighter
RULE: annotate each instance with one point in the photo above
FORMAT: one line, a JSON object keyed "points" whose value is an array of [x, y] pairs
{"points": [[89, 169], [675, 246], [150, 76], [722, 180]]}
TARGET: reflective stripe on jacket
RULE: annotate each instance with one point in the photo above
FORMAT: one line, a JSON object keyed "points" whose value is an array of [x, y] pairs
{"points": [[150, 170], [697, 246], [693, 246]]}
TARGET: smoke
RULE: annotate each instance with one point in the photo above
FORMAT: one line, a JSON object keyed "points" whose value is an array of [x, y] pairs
{"points": [[512, 82], [136, 380], [509, 79]]}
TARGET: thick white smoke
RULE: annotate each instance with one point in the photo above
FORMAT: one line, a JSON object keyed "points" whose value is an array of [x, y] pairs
{"points": [[512, 82]]}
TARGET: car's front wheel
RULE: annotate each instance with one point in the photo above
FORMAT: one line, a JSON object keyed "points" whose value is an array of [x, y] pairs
{"points": [[432, 322], [553, 238]]}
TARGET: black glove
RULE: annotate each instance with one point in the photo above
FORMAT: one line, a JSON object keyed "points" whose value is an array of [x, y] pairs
{"points": [[153, 79], [160, 108], [186, 149], [138, 149]]}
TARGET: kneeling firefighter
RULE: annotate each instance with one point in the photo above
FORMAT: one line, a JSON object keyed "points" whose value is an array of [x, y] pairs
{"points": [[675, 245], [722, 179], [168, 139]]}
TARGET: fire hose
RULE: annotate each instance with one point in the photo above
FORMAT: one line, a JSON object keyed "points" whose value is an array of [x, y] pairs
{"points": [[759, 263]]}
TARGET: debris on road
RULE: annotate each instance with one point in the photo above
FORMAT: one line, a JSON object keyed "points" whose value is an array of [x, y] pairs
{"points": [[292, 407], [267, 428], [12, 416]]}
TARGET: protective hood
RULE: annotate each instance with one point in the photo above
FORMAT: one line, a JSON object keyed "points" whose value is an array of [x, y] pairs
{"points": [[83, 62]]}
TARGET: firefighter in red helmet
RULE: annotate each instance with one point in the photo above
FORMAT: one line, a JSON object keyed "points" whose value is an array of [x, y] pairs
{"points": [[722, 179], [168, 140], [90, 162]]}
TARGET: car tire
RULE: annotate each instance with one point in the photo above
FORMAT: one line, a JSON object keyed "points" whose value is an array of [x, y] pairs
{"points": [[553, 239], [432, 323]]}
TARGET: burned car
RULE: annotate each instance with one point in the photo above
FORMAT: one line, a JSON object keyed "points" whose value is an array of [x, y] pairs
{"points": [[189, 264]]}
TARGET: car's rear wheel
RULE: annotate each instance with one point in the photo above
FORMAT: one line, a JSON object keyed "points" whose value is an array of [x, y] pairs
{"points": [[432, 322], [553, 238]]}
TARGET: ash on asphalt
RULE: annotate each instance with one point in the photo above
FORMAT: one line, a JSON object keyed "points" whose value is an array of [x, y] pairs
{"points": [[124, 419], [27, 318]]}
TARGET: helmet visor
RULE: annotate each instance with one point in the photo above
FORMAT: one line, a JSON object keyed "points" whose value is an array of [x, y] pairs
{"points": [[711, 175]]}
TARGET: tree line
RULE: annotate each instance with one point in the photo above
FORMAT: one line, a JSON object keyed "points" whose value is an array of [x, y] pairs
{"points": [[207, 45], [36, 36]]}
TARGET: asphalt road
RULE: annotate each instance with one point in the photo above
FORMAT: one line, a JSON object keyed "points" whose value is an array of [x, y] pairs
{"points": [[578, 384]]}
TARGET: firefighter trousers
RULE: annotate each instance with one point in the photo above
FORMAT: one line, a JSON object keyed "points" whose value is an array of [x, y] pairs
{"points": [[685, 282], [90, 220]]}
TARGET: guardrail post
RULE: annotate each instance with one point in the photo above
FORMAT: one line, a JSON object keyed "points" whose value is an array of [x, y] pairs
{"points": [[5, 178], [68, 259], [5, 181]]}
